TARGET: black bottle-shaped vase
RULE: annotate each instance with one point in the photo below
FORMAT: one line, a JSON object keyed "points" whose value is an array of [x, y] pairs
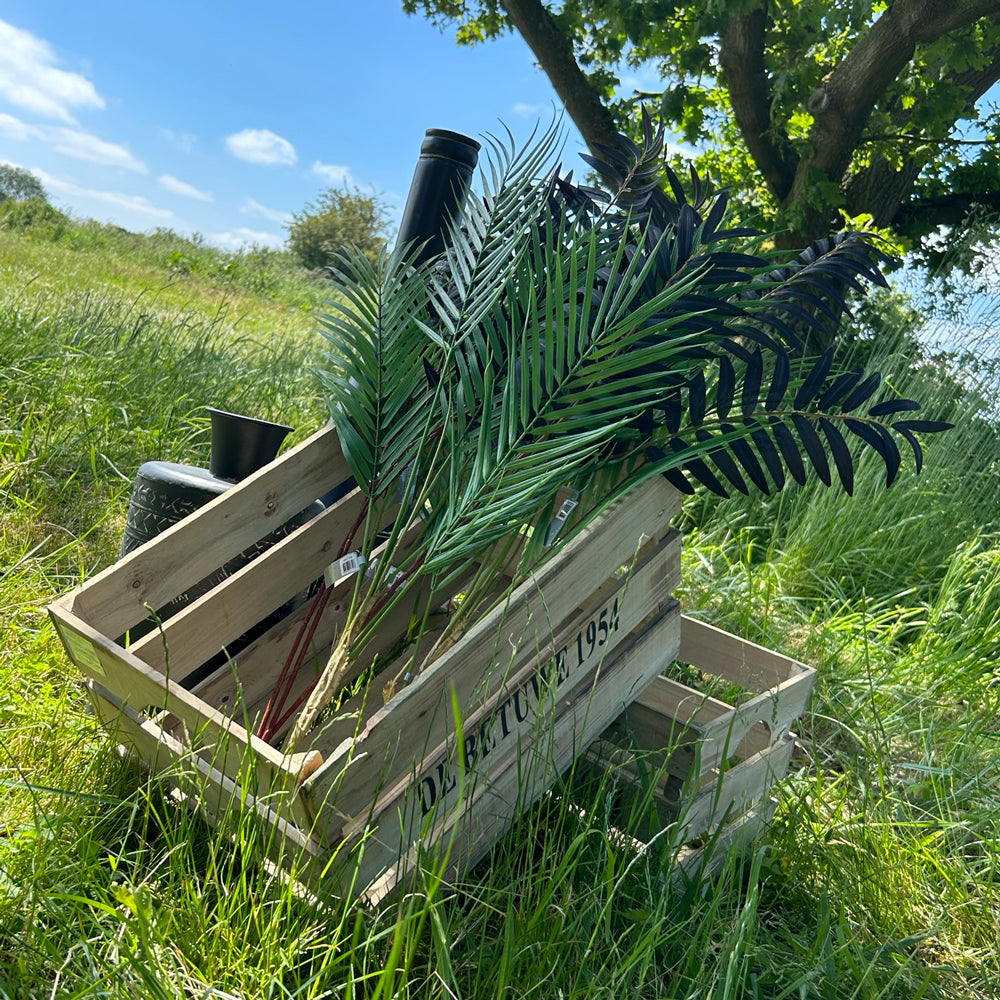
{"points": [[440, 185], [166, 492]]}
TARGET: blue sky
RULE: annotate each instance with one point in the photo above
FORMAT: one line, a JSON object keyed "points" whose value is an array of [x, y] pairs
{"points": [[221, 118]]}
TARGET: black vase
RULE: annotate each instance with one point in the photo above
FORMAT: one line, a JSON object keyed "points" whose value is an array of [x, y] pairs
{"points": [[166, 492], [440, 185]]}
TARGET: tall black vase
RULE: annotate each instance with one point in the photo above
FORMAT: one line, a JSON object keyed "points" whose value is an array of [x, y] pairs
{"points": [[440, 185], [166, 492]]}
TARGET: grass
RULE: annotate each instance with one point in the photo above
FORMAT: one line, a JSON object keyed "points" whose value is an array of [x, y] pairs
{"points": [[879, 878]]}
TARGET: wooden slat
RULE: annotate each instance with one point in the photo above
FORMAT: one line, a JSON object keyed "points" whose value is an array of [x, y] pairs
{"points": [[202, 786], [732, 794], [697, 863], [155, 573], [493, 799], [753, 667], [207, 624], [230, 748], [504, 638], [776, 709]]}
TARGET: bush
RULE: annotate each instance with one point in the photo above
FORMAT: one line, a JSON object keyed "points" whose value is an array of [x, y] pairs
{"points": [[337, 219], [34, 214], [19, 184]]}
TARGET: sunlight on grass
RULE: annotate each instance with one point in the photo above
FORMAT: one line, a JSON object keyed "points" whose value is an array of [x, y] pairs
{"points": [[879, 878]]}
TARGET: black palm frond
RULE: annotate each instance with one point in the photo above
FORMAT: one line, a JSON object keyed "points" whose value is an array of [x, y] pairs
{"points": [[809, 293], [583, 338], [795, 431]]}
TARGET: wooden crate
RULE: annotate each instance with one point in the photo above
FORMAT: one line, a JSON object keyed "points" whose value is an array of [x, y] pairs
{"points": [[447, 763], [707, 767]]}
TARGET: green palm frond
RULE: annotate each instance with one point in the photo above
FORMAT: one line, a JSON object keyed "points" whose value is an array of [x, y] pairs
{"points": [[566, 330], [375, 386], [572, 338]]}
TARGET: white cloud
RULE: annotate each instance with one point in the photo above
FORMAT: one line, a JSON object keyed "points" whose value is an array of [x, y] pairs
{"points": [[30, 79], [333, 174], [528, 110], [244, 237], [252, 207], [183, 188], [72, 142], [85, 146], [260, 145], [132, 202], [18, 130]]}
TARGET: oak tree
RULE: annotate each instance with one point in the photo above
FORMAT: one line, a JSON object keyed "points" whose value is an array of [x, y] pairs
{"points": [[811, 110]]}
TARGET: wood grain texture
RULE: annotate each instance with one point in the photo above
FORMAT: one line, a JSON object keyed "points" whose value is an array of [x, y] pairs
{"points": [[418, 718], [155, 573], [400, 838], [207, 733]]}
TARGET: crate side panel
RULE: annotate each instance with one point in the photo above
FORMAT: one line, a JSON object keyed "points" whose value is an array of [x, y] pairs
{"points": [[155, 573], [565, 661], [562, 673], [753, 667], [136, 685], [207, 624], [732, 794], [776, 710], [461, 835], [496, 646]]}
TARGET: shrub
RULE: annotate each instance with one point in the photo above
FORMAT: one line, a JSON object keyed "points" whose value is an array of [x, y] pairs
{"points": [[19, 184], [34, 214], [339, 218]]}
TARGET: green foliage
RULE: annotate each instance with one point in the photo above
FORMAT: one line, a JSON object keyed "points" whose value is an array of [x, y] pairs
{"points": [[780, 101], [35, 214], [19, 184], [338, 218], [574, 338], [879, 878]]}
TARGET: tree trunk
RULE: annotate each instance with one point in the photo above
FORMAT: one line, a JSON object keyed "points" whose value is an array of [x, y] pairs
{"points": [[554, 52]]}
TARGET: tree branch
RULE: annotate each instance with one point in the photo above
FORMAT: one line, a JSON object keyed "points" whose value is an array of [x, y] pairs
{"points": [[881, 189], [741, 53], [554, 52], [923, 215], [842, 105]]}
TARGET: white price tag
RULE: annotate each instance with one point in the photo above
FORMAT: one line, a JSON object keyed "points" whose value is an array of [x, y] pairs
{"points": [[345, 566]]}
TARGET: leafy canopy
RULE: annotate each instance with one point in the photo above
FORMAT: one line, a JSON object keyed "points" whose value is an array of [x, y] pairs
{"points": [[19, 184], [810, 111]]}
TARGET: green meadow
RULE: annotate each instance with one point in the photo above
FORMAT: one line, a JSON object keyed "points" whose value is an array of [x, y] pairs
{"points": [[879, 876]]}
